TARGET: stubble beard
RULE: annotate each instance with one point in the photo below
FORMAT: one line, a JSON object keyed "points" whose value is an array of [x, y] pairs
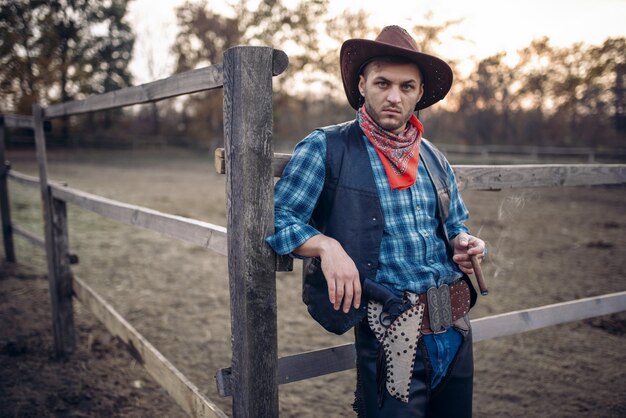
{"points": [[390, 126]]}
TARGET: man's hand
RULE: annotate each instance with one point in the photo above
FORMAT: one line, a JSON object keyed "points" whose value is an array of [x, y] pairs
{"points": [[339, 269], [465, 246]]}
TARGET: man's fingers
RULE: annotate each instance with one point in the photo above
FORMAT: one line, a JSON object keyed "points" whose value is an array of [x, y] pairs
{"points": [[477, 250], [357, 294], [463, 240], [347, 297], [466, 267], [343, 293], [339, 295], [331, 291], [476, 246], [461, 258]]}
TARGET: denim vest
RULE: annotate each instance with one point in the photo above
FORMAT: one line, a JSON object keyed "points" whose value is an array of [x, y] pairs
{"points": [[349, 211]]}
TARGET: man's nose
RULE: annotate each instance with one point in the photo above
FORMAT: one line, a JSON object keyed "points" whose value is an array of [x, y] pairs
{"points": [[394, 95]]}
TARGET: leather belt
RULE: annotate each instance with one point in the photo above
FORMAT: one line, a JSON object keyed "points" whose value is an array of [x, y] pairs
{"points": [[443, 306]]}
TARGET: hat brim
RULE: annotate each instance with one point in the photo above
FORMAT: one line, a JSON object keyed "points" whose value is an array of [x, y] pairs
{"points": [[436, 73]]}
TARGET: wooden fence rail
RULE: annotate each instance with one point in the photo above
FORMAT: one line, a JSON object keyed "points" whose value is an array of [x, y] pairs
{"points": [[339, 358], [534, 151], [193, 81], [496, 177], [23, 179], [204, 234], [29, 236], [179, 84], [16, 121], [185, 393], [550, 175], [514, 149], [19, 122]]}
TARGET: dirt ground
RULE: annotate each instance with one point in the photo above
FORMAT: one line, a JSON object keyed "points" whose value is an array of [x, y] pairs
{"points": [[546, 246]]}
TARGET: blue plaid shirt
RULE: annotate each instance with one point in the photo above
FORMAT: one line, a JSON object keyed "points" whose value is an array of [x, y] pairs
{"points": [[412, 256]]}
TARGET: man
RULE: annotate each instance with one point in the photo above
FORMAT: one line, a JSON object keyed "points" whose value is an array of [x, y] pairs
{"points": [[375, 211]]}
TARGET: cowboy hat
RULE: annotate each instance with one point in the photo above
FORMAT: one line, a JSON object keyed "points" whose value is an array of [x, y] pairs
{"points": [[393, 41]]}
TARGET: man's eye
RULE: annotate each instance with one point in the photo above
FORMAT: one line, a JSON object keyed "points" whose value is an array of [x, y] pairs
{"points": [[382, 84], [408, 87]]}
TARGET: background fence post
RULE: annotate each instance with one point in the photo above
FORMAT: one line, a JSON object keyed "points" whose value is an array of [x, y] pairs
{"points": [[5, 207], [251, 263], [59, 273]]}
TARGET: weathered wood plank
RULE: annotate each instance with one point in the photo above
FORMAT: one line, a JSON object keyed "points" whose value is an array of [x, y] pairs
{"points": [[342, 357], [490, 177], [220, 161], [29, 236], [279, 161], [63, 273], [284, 263], [204, 234], [494, 177], [280, 62], [59, 274], [23, 179], [17, 121], [514, 149], [531, 319], [5, 206], [185, 393], [39, 242], [251, 263], [301, 366], [184, 83], [192, 81]]}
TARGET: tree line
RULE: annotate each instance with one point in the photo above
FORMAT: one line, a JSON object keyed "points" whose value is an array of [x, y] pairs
{"points": [[59, 50]]}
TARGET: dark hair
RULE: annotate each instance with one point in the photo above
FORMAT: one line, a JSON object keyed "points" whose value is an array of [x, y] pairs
{"points": [[389, 59]]}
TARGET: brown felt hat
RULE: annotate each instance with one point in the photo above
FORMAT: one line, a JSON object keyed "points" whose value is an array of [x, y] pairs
{"points": [[393, 41]]}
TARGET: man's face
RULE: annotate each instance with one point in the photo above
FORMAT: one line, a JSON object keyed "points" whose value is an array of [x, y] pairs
{"points": [[391, 92]]}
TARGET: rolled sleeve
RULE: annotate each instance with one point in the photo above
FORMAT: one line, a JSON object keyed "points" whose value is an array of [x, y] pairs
{"points": [[296, 194]]}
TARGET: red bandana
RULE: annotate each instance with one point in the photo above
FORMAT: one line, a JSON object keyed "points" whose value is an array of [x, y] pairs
{"points": [[399, 153]]}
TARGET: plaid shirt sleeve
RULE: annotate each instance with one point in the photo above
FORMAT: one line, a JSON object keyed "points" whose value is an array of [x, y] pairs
{"points": [[458, 213], [296, 194]]}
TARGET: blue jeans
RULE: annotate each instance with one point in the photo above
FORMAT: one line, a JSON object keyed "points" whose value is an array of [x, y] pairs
{"points": [[442, 349]]}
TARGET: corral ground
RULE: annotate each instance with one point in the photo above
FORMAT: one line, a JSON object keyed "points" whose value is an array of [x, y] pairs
{"points": [[546, 246]]}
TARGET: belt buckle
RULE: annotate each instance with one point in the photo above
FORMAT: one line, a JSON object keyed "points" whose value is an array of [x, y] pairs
{"points": [[439, 308]]}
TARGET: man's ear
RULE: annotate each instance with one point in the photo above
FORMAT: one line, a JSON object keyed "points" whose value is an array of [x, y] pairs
{"points": [[362, 85]]}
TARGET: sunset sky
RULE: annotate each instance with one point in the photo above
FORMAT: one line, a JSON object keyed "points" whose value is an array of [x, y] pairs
{"points": [[488, 26]]}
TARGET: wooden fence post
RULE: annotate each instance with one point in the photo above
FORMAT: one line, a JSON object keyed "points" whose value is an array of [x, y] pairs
{"points": [[59, 273], [251, 263], [5, 207]]}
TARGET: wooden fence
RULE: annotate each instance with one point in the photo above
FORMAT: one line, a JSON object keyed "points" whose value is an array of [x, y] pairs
{"points": [[246, 76], [250, 166], [533, 153]]}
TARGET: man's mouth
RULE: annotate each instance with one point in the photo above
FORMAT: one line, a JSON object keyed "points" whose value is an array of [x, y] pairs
{"points": [[396, 111]]}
